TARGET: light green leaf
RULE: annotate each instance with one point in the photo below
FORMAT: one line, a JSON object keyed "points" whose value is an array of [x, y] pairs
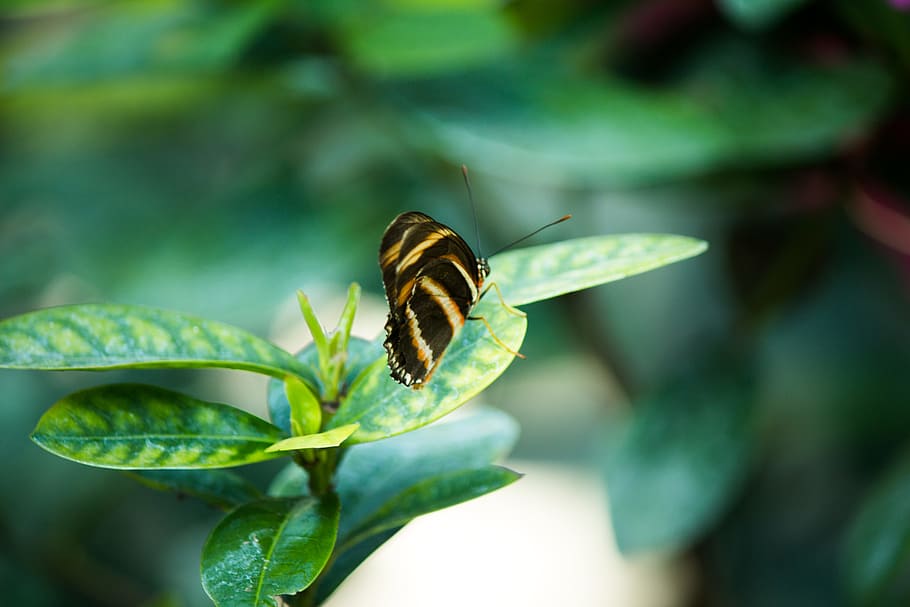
{"points": [[534, 273], [320, 339], [473, 360], [218, 488], [433, 494], [305, 410], [677, 464], [323, 440], [109, 336], [428, 41], [878, 542], [361, 354], [268, 548], [134, 426]]}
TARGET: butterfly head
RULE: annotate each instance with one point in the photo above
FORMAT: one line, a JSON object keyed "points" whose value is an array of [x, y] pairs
{"points": [[483, 268]]}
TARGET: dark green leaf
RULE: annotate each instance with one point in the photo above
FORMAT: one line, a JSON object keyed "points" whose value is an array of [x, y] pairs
{"points": [[473, 360], [562, 130], [878, 542], [881, 23], [268, 548], [675, 466], [108, 336], [135, 426], [372, 474], [535, 273], [432, 494], [219, 488], [346, 562]]}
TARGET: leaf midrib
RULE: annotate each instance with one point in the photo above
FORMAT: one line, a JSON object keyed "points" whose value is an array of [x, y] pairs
{"points": [[133, 437]]}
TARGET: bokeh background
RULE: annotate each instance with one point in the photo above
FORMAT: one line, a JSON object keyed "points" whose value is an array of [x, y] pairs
{"points": [[730, 430]]}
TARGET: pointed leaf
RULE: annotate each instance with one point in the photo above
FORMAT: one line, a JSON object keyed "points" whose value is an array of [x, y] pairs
{"points": [[108, 336], [535, 273], [473, 360], [342, 334], [320, 339], [218, 488], [878, 542], [372, 473], [137, 426], [347, 561], [323, 440], [268, 548], [433, 494]]}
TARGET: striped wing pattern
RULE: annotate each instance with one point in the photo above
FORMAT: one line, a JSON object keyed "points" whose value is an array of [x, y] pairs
{"points": [[432, 280]]}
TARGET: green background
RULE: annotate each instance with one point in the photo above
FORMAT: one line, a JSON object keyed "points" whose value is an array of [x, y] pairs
{"points": [[749, 409]]}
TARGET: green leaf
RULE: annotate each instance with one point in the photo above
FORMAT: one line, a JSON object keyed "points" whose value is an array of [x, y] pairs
{"points": [[535, 273], [473, 360], [140, 38], [878, 542], [674, 468], [268, 548], [361, 354], [880, 24], [342, 334], [320, 339], [218, 488], [433, 494], [428, 40], [134, 426], [754, 14], [323, 440], [109, 336], [279, 407], [567, 130], [305, 410], [372, 473], [347, 561]]}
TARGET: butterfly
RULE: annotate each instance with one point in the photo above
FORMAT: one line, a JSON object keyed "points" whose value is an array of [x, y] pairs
{"points": [[432, 280]]}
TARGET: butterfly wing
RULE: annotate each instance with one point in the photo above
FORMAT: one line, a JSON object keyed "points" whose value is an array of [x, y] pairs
{"points": [[431, 280]]}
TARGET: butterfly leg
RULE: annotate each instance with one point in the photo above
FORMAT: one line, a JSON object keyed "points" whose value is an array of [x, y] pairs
{"points": [[496, 337], [511, 309]]}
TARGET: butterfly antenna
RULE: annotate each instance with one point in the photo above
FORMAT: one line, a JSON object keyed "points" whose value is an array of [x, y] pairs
{"points": [[467, 183], [541, 228]]}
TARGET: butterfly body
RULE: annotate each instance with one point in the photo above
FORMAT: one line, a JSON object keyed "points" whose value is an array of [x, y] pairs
{"points": [[432, 280]]}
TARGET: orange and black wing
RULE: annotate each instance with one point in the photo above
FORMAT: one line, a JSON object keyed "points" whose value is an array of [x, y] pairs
{"points": [[431, 280]]}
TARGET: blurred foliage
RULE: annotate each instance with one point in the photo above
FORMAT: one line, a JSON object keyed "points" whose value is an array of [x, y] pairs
{"points": [[213, 156]]}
